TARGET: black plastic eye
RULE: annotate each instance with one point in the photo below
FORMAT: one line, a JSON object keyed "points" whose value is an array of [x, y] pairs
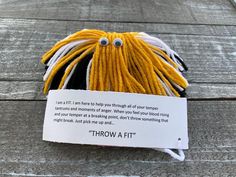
{"points": [[103, 41], [117, 42]]}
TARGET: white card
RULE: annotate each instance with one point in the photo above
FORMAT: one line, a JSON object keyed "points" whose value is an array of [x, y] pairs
{"points": [[116, 119]]}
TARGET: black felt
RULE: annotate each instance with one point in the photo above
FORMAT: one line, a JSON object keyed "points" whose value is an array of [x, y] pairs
{"points": [[74, 84], [57, 78], [78, 79]]}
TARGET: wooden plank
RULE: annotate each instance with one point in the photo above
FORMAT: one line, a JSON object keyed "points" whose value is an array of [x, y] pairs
{"points": [[52, 27], [158, 11], [212, 128], [210, 58], [32, 90], [119, 169], [18, 90]]}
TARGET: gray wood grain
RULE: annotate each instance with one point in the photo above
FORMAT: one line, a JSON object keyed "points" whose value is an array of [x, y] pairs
{"points": [[186, 11], [67, 27], [203, 32], [32, 90], [212, 131], [211, 58]]}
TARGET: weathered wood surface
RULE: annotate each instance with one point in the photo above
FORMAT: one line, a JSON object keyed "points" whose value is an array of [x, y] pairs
{"points": [[203, 32], [212, 141], [168, 11], [209, 51]]}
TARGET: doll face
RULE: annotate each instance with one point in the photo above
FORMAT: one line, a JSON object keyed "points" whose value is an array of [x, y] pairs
{"points": [[108, 62]]}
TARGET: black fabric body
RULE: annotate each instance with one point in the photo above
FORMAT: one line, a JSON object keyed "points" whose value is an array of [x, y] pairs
{"points": [[78, 79]]}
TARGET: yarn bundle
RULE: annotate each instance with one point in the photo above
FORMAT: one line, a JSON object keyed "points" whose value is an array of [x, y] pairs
{"points": [[132, 62]]}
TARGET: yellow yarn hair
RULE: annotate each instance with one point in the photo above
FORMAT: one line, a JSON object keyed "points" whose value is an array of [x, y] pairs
{"points": [[135, 65]]}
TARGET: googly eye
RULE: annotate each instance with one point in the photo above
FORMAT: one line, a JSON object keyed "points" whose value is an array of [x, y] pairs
{"points": [[117, 42], [103, 41]]}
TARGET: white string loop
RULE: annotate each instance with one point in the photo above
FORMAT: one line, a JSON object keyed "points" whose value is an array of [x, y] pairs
{"points": [[180, 156]]}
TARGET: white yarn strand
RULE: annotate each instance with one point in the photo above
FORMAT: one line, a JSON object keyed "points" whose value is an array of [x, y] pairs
{"points": [[160, 44], [167, 89], [88, 74], [57, 56]]}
